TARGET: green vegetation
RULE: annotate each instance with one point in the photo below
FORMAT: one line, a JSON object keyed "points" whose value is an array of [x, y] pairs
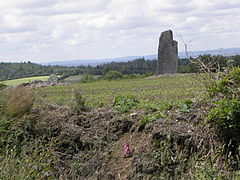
{"points": [[15, 82], [185, 106], [172, 90], [10, 71], [226, 118], [17, 101], [226, 96], [77, 103], [71, 132], [87, 78], [2, 86], [112, 75], [123, 103]]}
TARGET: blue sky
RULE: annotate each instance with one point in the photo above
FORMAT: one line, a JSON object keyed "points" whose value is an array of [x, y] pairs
{"points": [[53, 30]]}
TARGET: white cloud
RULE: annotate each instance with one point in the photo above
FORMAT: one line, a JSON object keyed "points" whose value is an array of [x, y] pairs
{"points": [[69, 29]]}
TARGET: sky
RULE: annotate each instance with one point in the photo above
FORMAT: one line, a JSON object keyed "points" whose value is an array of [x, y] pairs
{"points": [[57, 30]]}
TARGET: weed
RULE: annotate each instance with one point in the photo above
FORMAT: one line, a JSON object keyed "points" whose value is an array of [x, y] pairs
{"points": [[185, 106], [123, 103], [77, 102], [17, 101], [151, 118], [36, 163]]}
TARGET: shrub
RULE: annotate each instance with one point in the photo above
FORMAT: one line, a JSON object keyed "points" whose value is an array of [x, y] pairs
{"points": [[36, 163], [77, 103], [226, 119], [2, 86], [123, 103], [17, 101], [225, 116], [112, 75], [86, 78], [227, 86]]}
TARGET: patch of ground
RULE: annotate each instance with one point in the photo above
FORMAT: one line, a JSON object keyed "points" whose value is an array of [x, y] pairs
{"points": [[92, 142]]}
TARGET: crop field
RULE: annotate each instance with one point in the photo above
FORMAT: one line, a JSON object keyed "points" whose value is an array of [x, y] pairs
{"points": [[172, 90], [76, 79], [16, 82]]}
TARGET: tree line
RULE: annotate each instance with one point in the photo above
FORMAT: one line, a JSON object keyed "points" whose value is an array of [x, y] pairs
{"points": [[10, 71]]}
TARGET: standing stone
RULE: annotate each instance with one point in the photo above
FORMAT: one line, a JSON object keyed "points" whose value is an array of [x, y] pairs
{"points": [[167, 53], [52, 80]]}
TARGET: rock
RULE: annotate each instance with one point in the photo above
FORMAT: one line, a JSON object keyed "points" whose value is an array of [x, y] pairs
{"points": [[167, 53], [52, 80], [133, 115], [33, 84]]}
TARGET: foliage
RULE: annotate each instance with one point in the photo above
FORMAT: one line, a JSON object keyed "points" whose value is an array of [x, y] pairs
{"points": [[10, 71], [77, 102], [151, 118], [185, 106], [112, 75], [123, 103], [2, 86], [226, 118], [87, 78], [227, 86], [16, 132], [34, 163]]}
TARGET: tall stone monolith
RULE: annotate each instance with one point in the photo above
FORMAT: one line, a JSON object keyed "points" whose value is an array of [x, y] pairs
{"points": [[167, 53]]}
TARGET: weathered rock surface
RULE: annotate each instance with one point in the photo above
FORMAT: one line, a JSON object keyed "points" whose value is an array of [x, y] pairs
{"points": [[53, 79], [167, 53]]}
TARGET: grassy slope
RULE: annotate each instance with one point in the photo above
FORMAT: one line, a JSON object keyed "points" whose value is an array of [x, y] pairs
{"points": [[15, 82], [111, 159], [165, 89]]}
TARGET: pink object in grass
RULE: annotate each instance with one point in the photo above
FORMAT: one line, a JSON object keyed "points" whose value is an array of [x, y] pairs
{"points": [[126, 148]]}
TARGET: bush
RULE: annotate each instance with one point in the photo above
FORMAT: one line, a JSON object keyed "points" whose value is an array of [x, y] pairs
{"points": [[16, 101], [77, 103], [225, 116], [112, 75], [86, 78], [2, 86], [226, 119], [36, 163], [227, 86], [123, 103]]}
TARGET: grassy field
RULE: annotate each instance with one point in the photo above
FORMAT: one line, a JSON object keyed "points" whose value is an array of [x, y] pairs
{"points": [[76, 79], [15, 82], [73, 79], [172, 90]]}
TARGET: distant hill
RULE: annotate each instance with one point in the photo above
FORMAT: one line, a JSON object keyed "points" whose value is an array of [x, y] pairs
{"points": [[221, 51], [95, 62]]}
